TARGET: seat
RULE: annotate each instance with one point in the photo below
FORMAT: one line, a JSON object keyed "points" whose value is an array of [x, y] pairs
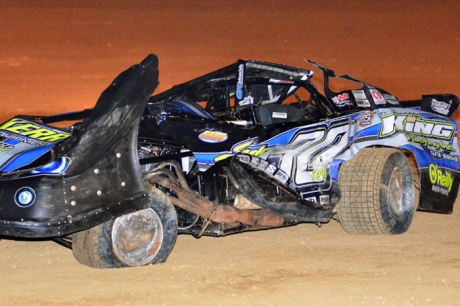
{"points": [[277, 113]]}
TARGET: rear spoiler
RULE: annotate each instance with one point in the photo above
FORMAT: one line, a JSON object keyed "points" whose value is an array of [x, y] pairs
{"points": [[441, 104]]}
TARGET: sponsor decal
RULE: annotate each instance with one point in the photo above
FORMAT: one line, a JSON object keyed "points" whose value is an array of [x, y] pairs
{"points": [[391, 99], [359, 94], [342, 100], [241, 147], [268, 168], [440, 107], [319, 174], [279, 115], [384, 112], [324, 199], [21, 139], [245, 159], [255, 161], [366, 119], [246, 101], [437, 154], [281, 176], [281, 81], [377, 96], [271, 169], [263, 164], [413, 123], [213, 136], [5, 147], [24, 197], [442, 180], [31, 130], [363, 103], [429, 143]]}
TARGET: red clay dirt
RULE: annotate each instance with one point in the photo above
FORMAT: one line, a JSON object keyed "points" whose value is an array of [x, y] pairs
{"points": [[58, 56]]}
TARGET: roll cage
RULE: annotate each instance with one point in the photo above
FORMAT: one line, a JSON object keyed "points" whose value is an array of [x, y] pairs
{"points": [[247, 91]]}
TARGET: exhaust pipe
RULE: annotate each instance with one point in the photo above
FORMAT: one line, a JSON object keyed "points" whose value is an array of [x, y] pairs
{"points": [[193, 202]]}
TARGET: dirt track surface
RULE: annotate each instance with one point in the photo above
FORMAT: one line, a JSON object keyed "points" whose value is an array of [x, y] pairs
{"points": [[58, 56]]}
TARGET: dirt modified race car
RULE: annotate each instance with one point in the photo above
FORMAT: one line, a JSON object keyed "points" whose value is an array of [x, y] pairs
{"points": [[253, 145]]}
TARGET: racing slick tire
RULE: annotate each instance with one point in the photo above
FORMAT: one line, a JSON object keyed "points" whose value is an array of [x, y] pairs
{"points": [[377, 193], [140, 238]]}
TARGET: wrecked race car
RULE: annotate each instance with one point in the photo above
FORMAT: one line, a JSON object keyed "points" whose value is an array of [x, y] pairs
{"points": [[251, 146]]}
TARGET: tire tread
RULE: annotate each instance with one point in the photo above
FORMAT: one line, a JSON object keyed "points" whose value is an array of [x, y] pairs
{"points": [[359, 210]]}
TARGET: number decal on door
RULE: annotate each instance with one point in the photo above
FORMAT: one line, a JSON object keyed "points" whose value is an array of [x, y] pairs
{"points": [[307, 156]]}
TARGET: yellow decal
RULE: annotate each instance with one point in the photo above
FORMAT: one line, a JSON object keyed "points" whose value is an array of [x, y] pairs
{"points": [[33, 130], [222, 157], [319, 175], [440, 178], [429, 143], [241, 148]]}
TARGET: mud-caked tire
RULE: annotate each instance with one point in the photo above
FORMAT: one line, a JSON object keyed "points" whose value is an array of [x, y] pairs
{"points": [[377, 193], [140, 238]]}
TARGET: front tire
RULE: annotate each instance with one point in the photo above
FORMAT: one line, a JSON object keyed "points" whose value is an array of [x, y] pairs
{"points": [[140, 238], [377, 193]]}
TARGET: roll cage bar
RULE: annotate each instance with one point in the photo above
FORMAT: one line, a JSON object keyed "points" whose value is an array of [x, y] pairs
{"points": [[226, 82]]}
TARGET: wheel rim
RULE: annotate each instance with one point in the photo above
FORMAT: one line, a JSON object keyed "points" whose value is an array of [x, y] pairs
{"points": [[137, 237], [396, 194]]}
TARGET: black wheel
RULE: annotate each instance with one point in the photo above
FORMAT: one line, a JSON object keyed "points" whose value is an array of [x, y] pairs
{"points": [[377, 193], [139, 238]]}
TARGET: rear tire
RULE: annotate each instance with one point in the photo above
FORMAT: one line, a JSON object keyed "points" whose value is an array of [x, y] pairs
{"points": [[140, 238], [377, 193]]}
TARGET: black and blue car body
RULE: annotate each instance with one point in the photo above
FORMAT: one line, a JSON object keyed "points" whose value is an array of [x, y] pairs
{"points": [[253, 145]]}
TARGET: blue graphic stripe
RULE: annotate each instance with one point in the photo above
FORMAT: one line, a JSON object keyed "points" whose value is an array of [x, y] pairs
{"points": [[206, 158], [25, 158], [11, 141], [373, 130], [424, 159], [55, 167]]}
